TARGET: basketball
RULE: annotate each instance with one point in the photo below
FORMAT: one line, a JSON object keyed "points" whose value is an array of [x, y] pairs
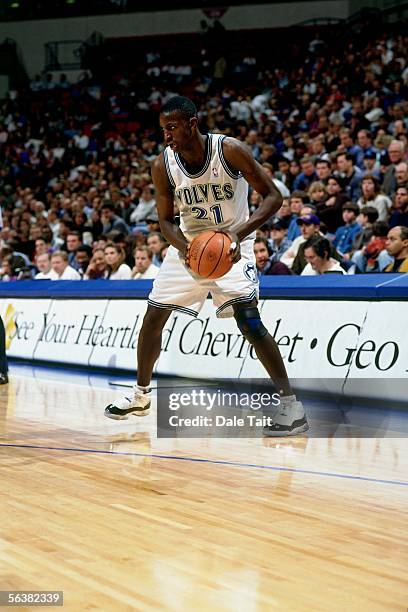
{"points": [[209, 254]]}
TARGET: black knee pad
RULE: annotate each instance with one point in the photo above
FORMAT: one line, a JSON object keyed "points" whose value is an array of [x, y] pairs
{"points": [[250, 324]]}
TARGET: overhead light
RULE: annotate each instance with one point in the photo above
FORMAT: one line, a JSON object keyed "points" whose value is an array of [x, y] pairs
{"points": [[15, 4]]}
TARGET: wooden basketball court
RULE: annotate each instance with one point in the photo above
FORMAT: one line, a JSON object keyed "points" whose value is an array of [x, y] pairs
{"points": [[121, 520]]}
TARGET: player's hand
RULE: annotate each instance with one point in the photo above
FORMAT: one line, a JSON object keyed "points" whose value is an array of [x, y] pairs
{"points": [[235, 248], [185, 254]]}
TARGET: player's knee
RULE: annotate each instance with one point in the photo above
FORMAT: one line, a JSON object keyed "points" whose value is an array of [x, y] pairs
{"points": [[250, 324], [154, 320]]}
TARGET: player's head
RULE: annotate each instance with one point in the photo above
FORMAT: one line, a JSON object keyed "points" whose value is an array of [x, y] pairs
{"points": [[179, 121]]}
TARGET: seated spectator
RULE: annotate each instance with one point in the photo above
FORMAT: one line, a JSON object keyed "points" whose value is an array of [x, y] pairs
{"points": [[397, 247], [368, 215], [399, 211], [115, 268], [110, 221], [43, 263], [401, 173], [317, 193], [7, 273], [344, 236], [155, 242], [278, 242], [330, 211], [61, 270], [323, 170], [144, 268], [317, 254], [307, 176], [297, 200], [145, 208], [396, 153], [73, 242], [309, 225], [373, 257], [372, 196], [83, 256], [264, 264], [97, 266], [284, 213], [350, 174], [370, 166]]}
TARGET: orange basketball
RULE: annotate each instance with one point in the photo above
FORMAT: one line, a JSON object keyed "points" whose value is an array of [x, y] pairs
{"points": [[209, 254]]}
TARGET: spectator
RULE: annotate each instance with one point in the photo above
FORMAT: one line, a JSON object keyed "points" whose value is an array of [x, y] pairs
{"points": [[317, 193], [323, 170], [370, 166], [279, 242], [397, 247], [97, 266], [330, 212], [309, 225], [344, 236], [146, 208], [115, 268], [297, 200], [373, 257], [367, 216], [350, 174], [399, 214], [264, 264], [144, 268], [317, 253], [73, 242], [372, 196], [364, 147], [401, 173], [43, 263], [155, 242], [61, 270], [83, 256], [308, 174], [396, 152], [110, 221]]}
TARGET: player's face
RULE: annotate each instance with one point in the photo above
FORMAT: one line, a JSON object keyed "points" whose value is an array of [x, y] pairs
{"points": [[177, 131]]}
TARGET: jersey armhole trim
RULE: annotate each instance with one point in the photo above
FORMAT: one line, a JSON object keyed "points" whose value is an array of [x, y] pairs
{"points": [[224, 163], [168, 172]]}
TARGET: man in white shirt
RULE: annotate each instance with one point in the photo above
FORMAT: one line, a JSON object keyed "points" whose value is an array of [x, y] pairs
{"points": [[61, 270], [144, 268], [43, 263]]}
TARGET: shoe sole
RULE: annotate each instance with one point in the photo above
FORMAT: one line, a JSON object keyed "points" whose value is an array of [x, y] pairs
{"points": [[123, 417], [284, 434]]}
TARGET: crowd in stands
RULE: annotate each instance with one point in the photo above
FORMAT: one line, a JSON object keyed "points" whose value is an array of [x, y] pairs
{"points": [[76, 195]]}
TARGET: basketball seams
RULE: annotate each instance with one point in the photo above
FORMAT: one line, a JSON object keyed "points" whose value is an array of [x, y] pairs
{"points": [[221, 254], [202, 252]]}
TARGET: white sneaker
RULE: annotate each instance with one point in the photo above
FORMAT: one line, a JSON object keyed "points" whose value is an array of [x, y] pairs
{"points": [[289, 419], [138, 405]]}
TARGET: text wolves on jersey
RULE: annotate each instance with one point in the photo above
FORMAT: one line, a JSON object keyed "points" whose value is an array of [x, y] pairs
{"points": [[200, 194]]}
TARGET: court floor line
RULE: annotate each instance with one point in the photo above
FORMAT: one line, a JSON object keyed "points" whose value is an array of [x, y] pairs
{"points": [[400, 483]]}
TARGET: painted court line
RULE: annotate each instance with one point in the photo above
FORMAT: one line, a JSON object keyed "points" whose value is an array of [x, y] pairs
{"points": [[399, 483]]}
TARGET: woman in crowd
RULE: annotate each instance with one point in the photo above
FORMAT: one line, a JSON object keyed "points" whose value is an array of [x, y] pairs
{"points": [[116, 269], [317, 252], [372, 196]]}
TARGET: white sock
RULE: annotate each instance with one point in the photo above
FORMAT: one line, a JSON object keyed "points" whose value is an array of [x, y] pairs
{"points": [[142, 389]]}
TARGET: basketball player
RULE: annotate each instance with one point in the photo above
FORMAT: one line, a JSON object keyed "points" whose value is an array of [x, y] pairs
{"points": [[208, 175]]}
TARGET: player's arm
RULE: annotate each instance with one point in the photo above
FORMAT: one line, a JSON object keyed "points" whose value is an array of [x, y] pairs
{"points": [[165, 206], [239, 158]]}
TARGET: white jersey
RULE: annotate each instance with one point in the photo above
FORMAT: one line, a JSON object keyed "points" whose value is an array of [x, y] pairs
{"points": [[216, 198]]}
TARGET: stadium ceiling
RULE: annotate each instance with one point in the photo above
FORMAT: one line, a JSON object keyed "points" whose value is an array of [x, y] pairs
{"points": [[11, 10]]}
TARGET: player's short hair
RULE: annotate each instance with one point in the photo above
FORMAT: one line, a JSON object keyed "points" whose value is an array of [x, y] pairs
{"points": [[180, 104]]}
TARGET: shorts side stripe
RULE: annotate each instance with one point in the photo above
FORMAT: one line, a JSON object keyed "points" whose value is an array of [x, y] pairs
{"points": [[188, 311], [245, 298]]}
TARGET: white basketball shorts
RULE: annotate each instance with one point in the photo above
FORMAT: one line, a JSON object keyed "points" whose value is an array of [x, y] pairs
{"points": [[177, 288]]}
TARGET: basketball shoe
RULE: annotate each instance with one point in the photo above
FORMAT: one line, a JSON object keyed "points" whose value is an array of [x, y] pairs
{"points": [[289, 418], [137, 404]]}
